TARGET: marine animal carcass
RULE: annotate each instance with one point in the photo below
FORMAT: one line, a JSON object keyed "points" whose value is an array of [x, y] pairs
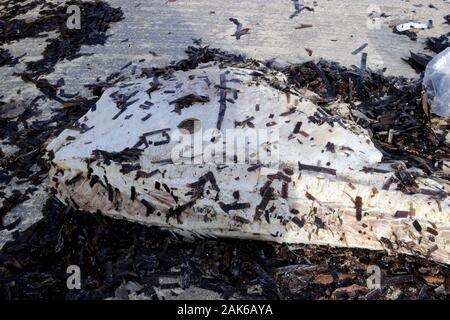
{"points": [[234, 152]]}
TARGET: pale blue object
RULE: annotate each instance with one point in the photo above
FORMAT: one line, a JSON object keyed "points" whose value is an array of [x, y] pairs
{"points": [[437, 83]]}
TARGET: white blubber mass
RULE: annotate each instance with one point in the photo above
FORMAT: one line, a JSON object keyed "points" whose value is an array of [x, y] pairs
{"points": [[235, 152]]}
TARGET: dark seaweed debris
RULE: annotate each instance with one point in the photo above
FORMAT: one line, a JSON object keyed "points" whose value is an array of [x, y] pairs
{"points": [[438, 44], [6, 58], [419, 61], [12, 8], [239, 30], [30, 139], [410, 34], [447, 19], [96, 18], [187, 101], [388, 102], [111, 252]]}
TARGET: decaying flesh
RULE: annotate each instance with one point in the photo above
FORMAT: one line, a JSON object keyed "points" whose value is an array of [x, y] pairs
{"points": [[330, 187]]}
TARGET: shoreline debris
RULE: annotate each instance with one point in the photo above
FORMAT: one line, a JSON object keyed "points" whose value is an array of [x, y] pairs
{"points": [[239, 30], [196, 199]]}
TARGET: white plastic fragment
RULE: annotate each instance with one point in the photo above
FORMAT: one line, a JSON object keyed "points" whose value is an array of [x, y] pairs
{"points": [[322, 183], [411, 25], [437, 83]]}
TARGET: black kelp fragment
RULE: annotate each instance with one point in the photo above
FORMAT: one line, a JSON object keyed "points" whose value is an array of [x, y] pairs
{"points": [[96, 18], [233, 206], [187, 101], [316, 169], [150, 208], [239, 30], [222, 101], [361, 48], [208, 177]]}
